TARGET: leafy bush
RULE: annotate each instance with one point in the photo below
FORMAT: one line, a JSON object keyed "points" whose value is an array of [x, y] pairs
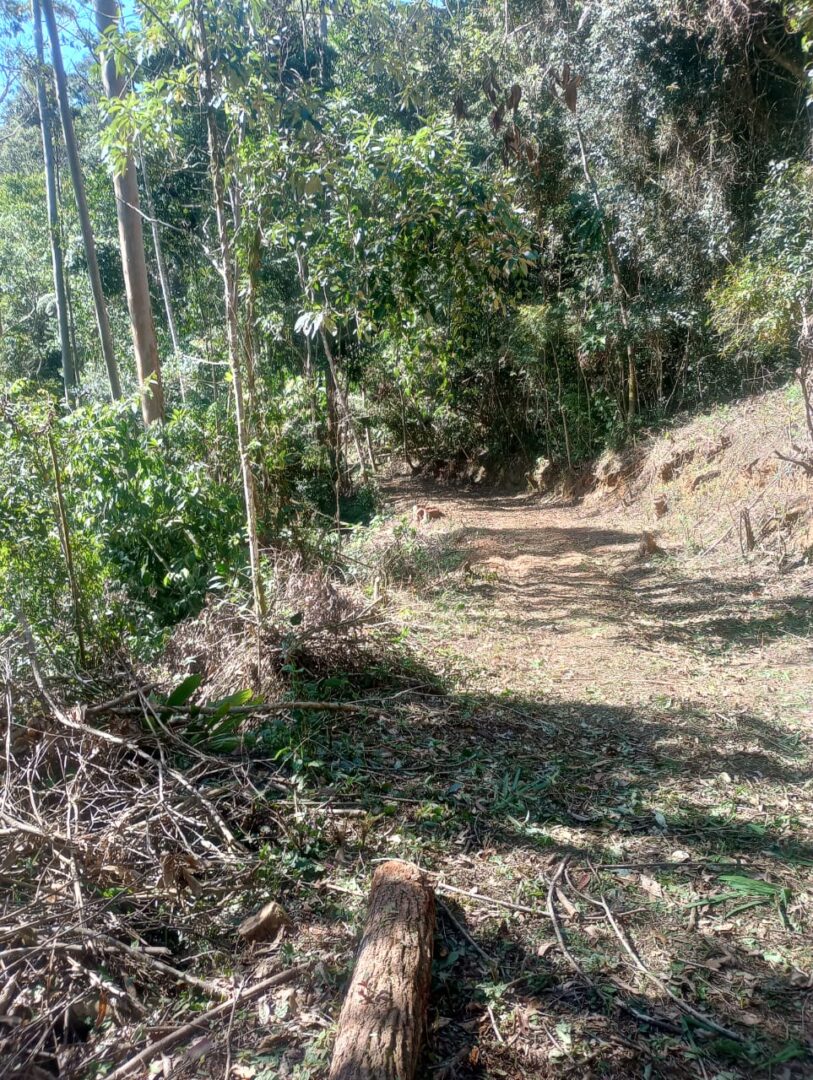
{"points": [[757, 307], [152, 527]]}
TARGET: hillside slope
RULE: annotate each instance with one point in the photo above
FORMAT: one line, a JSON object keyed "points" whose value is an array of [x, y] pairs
{"points": [[702, 484]]}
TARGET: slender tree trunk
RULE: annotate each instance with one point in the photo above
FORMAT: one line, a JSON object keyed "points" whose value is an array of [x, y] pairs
{"points": [[67, 551], [131, 237], [163, 276], [68, 362], [334, 445], [249, 337], [72, 325], [229, 274], [322, 40], [367, 434], [344, 403], [618, 285], [68, 290], [256, 417], [75, 167], [308, 358]]}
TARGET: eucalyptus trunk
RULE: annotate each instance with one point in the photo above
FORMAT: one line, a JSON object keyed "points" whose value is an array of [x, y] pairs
{"points": [[131, 236], [75, 166], [68, 361], [229, 274]]}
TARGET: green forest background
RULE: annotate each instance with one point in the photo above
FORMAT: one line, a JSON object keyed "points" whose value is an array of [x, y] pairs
{"points": [[458, 233]]}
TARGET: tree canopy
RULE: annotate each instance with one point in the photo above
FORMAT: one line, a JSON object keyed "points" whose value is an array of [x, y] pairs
{"points": [[465, 231]]}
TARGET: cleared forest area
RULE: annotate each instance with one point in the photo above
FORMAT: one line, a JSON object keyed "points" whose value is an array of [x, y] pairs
{"points": [[406, 539]]}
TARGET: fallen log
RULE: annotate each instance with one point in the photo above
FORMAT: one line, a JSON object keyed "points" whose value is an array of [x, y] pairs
{"points": [[381, 1025]]}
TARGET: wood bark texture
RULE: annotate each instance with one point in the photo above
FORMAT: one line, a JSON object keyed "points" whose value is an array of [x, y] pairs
{"points": [[382, 1021], [131, 237]]}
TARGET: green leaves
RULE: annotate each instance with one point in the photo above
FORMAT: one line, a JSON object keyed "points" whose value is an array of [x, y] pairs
{"points": [[214, 725], [233, 701], [746, 892], [184, 691]]}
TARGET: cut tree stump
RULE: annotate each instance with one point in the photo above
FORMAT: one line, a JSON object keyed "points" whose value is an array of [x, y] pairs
{"points": [[264, 924], [382, 1021]]}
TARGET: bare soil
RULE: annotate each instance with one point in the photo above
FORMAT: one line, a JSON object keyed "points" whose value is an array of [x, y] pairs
{"points": [[667, 712], [574, 611], [601, 760]]}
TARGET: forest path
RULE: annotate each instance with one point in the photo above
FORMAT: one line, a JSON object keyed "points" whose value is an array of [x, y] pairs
{"points": [[647, 720], [564, 607]]}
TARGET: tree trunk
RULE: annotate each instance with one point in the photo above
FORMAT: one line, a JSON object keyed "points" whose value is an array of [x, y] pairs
{"points": [[68, 362], [75, 166], [131, 238], [322, 40], [367, 433], [618, 285], [253, 256], [67, 550], [382, 1021], [345, 403], [163, 276], [68, 292], [229, 275]]}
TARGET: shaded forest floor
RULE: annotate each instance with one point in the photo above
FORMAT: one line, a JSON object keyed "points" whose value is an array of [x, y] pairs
{"points": [[605, 762]]}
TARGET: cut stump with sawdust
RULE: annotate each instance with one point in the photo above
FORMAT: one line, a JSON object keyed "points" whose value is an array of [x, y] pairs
{"points": [[264, 924], [382, 1021]]}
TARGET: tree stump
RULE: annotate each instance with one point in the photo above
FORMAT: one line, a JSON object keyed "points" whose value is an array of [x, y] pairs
{"points": [[382, 1021]]}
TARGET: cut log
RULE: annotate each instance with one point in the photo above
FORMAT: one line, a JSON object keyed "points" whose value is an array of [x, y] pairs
{"points": [[382, 1021]]}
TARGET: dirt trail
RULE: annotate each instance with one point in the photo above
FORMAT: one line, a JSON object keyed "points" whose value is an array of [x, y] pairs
{"points": [[573, 612], [648, 720]]}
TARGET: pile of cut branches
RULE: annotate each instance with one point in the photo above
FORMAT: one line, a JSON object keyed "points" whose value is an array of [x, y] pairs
{"points": [[111, 837], [315, 625]]}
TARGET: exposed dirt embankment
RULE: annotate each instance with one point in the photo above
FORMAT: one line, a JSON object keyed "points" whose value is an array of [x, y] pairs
{"points": [[715, 486]]}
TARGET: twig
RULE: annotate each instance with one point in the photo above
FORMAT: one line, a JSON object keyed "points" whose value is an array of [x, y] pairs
{"points": [[490, 1012], [227, 1067], [636, 1014], [9, 725], [117, 740], [273, 706], [110, 706], [806, 465], [443, 887], [492, 963], [632, 952], [32, 830], [188, 1030], [166, 969], [694, 864], [716, 543]]}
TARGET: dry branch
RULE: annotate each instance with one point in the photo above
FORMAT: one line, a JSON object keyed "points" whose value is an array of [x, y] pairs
{"points": [[188, 1030], [630, 1010]]}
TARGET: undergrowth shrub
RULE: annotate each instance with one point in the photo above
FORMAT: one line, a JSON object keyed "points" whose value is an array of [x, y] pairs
{"points": [[396, 552], [756, 309], [154, 520]]}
